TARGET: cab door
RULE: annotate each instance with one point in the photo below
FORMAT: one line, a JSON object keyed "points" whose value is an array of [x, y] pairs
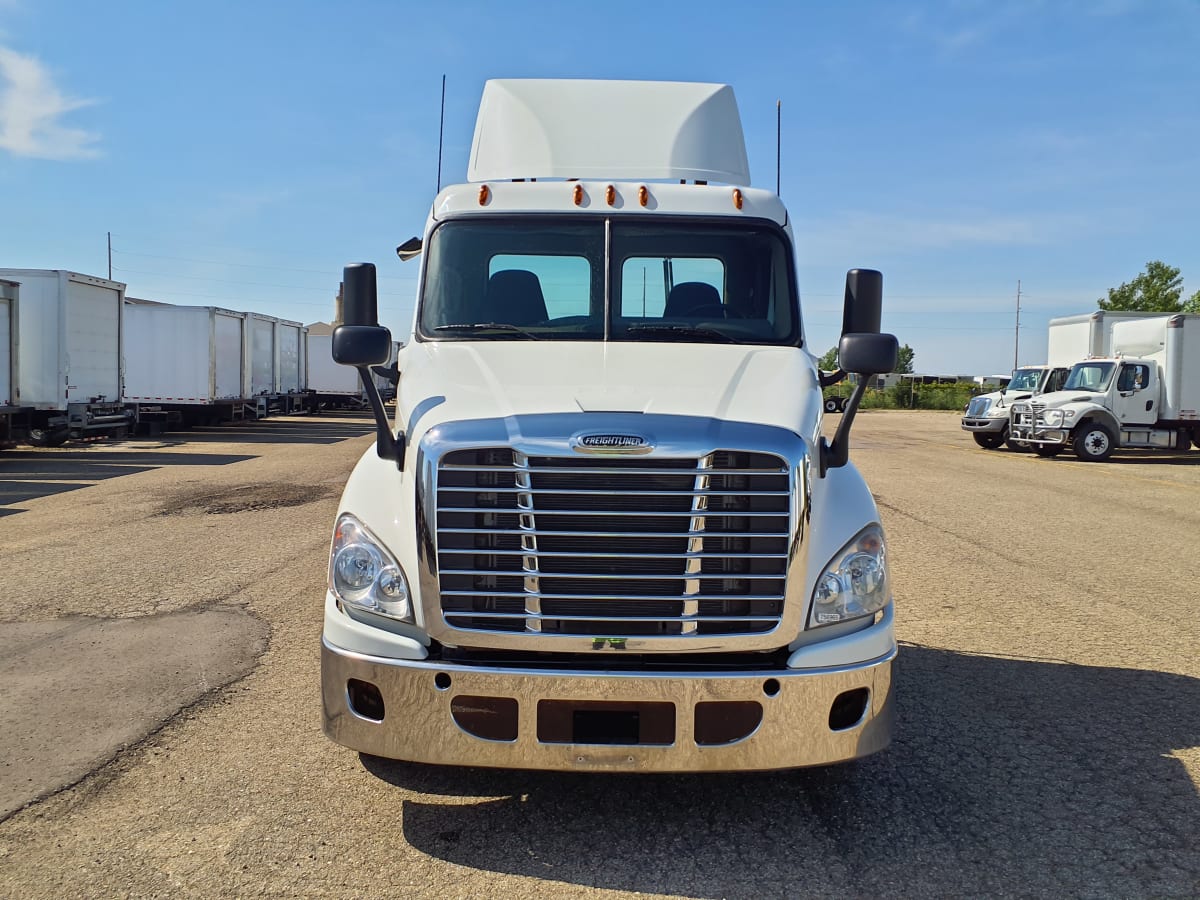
{"points": [[1135, 400]]}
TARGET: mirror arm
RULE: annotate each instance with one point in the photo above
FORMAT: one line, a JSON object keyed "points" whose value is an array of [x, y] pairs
{"points": [[836, 453], [391, 373], [828, 379], [387, 445]]}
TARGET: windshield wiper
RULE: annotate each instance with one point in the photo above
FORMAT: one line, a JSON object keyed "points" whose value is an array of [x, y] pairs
{"points": [[475, 327], [682, 331]]}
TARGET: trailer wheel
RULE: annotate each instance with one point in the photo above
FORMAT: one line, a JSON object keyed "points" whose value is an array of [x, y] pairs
{"points": [[46, 437], [831, 404], [1048, 450], [990, 440], [1094, 442]]}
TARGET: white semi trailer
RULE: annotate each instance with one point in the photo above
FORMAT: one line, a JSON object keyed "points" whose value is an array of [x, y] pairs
{"points": [[1145, 394], [64, 367], [604, 530]]}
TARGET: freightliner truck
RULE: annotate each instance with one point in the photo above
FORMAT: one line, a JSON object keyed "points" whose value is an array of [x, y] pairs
{"points": [[604, 530], [1145, 395]]}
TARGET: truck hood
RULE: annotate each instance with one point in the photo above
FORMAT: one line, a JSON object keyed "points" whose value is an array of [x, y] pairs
{"points": [[443, 381], [1066, 398]]}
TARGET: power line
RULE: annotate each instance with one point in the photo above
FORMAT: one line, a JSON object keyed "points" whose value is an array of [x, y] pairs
{"points": [[290, 287], [213, 262]]}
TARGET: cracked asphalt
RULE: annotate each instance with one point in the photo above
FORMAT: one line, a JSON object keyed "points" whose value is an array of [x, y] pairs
{"points": [[160, 711]]}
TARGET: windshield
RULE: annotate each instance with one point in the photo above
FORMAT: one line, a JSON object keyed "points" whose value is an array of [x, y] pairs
{"points": [[1089, 376], [1024, 380], [542, 278]]}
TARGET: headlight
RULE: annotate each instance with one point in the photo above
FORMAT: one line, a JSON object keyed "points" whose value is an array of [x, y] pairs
{"points": [[362, 573], [854, 584], [1053, 417], [1069, 414]]}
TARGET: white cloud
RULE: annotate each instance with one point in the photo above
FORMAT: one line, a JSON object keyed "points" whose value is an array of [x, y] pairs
{"points": [[31, 112]]}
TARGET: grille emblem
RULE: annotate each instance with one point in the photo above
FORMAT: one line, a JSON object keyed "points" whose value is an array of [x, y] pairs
{"points": [[611, 443]]}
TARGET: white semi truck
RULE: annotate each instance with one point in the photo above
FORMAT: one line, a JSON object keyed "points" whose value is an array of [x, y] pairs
{"points": [[1145, 394], [604, 530], [1070, 339]]}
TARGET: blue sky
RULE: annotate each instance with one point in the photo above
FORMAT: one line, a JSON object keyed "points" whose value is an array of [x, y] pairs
{"points": [[241, 153]]}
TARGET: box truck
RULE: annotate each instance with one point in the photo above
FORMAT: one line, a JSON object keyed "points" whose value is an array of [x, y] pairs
{"points": [[1145, 394], [330, 384], [1071, 338], [604, 530], [65, 332]]}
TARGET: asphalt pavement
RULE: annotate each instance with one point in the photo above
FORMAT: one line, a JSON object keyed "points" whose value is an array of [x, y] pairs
{"points": [[160, 712]]}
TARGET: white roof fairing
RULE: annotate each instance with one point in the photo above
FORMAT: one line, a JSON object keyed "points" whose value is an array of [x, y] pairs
{"points": [[556, 128]]}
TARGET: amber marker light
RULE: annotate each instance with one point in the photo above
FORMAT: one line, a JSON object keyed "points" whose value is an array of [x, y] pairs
{"points": [[737, 199], [484, 193], [578, 195], [610, 195], [643, 195]]}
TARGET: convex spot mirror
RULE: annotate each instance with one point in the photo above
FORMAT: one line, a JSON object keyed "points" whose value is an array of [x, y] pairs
{"points": [[868, 354]]}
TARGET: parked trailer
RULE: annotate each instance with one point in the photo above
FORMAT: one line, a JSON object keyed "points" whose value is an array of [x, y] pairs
{"points": [[330, 384], [292, 377], [184, 363], [66, 378], [8, 359]]}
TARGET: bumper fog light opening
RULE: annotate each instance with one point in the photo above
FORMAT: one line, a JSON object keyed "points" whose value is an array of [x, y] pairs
{"points": [[848, 709], [365, 700]]}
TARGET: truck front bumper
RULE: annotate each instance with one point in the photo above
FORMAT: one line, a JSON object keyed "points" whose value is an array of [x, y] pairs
{"points": [[1039, 435], [984, 425], [435, 712]]}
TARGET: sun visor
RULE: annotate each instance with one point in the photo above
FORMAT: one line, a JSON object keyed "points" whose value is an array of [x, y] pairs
{"points": [[620, 130]]}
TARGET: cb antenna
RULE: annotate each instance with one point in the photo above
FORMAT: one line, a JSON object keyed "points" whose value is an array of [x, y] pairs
{"points": [[441, 133], [778, 141]]}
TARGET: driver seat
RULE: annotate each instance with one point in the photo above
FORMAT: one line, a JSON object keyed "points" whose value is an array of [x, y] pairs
{"points": [[689, 297], [514, 296]]}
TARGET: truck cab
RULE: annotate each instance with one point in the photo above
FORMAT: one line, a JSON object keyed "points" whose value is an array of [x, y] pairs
{"points": [[986, 416], [604, 529]]}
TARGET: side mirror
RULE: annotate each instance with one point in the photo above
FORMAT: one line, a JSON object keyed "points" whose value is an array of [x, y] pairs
{"points": [[868, 354], [361, 345], [361, 340], [862, 308]]}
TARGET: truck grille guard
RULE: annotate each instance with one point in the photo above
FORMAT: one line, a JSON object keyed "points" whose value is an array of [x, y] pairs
{"points": [[536, 542]]}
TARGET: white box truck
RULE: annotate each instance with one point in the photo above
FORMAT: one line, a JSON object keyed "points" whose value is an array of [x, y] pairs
{"points": [[292, 370], [1071, 338], [604, 530], [65, 331], [1145, 394], [188, 360]]}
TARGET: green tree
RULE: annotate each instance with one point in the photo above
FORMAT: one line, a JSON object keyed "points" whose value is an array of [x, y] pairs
{"points": [[829, 361], [904, 360], [1157, 289], [1193, 303]]}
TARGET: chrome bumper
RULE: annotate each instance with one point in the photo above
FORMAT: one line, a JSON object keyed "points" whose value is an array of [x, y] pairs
{"points": [[425, 702], [1033, 434]]}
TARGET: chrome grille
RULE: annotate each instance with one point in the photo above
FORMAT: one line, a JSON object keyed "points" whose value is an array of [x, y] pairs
{"points": [[612, 546]]}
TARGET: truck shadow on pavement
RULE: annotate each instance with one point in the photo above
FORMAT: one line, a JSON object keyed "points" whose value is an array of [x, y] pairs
{"points": [[1007, 775], [29, 474]]}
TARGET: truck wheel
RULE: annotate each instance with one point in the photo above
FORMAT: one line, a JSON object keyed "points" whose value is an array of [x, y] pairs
{"points": [[45, 437], [1048, 450], [989, 440], [1094, 442], [831, 404]]}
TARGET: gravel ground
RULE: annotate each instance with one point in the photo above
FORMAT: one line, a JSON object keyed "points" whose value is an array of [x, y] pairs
{"points": [[1048, 698]]}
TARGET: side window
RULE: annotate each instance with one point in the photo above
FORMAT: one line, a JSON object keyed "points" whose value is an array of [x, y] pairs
{"points": [[647, 282], [1133, 378], [566, 281]]}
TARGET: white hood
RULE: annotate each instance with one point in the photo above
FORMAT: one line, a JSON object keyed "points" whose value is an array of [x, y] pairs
{"points": [[444, 381]]}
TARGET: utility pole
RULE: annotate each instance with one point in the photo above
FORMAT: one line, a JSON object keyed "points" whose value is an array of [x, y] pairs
{"points": [[778, 144], [110, 256], [441, 134], [1017, 334]]}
